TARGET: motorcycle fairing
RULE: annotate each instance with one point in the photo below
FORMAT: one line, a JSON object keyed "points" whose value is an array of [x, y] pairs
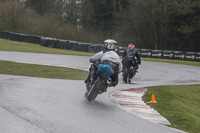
{"points": [[105, 71]]}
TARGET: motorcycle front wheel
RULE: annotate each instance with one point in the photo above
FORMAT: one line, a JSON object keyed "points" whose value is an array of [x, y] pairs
{"points": [[125, 75], [95, 89]]}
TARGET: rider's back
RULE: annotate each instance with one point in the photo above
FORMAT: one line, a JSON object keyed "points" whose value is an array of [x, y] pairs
{"points": [[107, 56]]}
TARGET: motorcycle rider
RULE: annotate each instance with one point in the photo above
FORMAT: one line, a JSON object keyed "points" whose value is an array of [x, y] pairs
{"points": [[130, 54], [107, 56]]}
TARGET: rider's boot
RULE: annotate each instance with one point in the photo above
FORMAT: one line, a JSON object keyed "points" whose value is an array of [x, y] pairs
{"points": [[87, 80], [136, 69], [91, 74], [123, 67], [88, 84]]}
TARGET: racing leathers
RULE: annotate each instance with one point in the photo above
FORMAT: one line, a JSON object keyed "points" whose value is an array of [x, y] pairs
{"points": [[129, 55]]}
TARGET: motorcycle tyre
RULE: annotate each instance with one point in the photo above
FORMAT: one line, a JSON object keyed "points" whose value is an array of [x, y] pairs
{"points": [[132, 74], [125, 75], [96, 87]]}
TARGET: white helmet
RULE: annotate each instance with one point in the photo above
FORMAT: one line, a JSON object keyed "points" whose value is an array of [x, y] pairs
{"points": [[110, 41], [110, 46]]}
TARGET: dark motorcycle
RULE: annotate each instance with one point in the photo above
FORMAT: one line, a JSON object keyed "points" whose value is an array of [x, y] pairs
{"points": [[130, 70], [100, 83]]}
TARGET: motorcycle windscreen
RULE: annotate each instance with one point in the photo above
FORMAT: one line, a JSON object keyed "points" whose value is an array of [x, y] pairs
{"points": [[105, 70]]}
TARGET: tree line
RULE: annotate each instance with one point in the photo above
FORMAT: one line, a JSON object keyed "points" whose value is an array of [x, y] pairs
{"points": [[149, 24]]}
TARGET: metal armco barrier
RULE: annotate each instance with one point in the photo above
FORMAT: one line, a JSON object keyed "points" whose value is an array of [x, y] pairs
{"points": [[190, 56], [120, 50], [197, 58], [156, 54], [94, 48], [139, 51], [167, 54], [179, 55], [146, 53]]}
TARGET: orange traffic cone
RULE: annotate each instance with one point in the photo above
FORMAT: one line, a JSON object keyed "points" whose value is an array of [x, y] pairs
{"points": [[153, 99], [77, 68]]}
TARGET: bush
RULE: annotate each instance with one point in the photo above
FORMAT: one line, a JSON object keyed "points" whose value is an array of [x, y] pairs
{"points": [[16, 18]]}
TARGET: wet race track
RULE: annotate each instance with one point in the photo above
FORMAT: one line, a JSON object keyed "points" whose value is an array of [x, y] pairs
{"points": [[41, 105]]}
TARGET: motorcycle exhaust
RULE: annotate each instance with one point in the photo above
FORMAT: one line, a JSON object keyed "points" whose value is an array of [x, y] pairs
{"points": [[108, 81]]}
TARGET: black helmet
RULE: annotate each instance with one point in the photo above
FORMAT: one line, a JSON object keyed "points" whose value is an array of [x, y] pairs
{"points": [[110, 46], [131, 46]]}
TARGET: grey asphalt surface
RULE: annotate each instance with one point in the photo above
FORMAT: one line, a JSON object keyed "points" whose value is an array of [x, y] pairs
{"points": [[41, 105]]}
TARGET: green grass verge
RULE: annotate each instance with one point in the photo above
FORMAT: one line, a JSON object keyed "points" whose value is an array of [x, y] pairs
{"points": [[7, 45], [43, 71], [181, 62], [179, 104]]}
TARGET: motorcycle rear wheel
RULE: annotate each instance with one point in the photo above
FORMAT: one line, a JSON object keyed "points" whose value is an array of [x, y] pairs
{"points": [[95, 89]]}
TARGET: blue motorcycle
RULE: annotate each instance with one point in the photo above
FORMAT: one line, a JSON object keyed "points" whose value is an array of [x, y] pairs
{"points": [[101, 82]]}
